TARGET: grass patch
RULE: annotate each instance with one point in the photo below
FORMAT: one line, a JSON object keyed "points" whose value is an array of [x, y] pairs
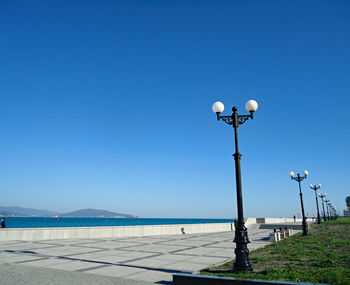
{"points": [[322, 257]]}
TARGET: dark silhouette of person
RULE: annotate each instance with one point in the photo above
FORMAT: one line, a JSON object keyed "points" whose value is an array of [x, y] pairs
{"points": [[3, 224], [294, 218]]}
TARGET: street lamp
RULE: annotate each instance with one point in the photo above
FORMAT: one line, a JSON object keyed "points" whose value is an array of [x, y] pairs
{"points": [[299, 179], [242, 262], [331, 211], [316, 187], [335, 212], [327, 204], [333, 215], [322, 196]]}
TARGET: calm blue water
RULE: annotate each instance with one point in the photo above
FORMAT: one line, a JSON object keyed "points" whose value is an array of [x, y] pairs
{"points": [[29, 222]]}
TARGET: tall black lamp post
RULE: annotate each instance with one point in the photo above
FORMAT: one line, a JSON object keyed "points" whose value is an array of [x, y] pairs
{"points": [[299, 179], [316, 187], [322, 196], [242, 262]]}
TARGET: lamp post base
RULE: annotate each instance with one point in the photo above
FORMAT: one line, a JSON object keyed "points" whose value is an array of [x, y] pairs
{"points": [[305, 228], [242, 262]]}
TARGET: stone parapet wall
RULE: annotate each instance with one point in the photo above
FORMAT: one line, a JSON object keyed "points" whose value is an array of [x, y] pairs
{"points": [[108, 232], [127, 231], [281, 220]]}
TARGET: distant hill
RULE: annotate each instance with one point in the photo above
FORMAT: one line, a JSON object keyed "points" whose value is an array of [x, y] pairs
{"points": [[8, 214], [89, 213], [19, 211], [93, 213]]}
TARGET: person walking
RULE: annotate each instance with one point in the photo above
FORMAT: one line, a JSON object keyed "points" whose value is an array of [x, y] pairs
{"points": [[3, 224], [294, 218]]}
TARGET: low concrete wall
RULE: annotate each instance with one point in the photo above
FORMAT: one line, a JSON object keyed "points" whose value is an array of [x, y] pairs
{"points": [[127, 231], [281, 220], [107, 232], [249, 221]]}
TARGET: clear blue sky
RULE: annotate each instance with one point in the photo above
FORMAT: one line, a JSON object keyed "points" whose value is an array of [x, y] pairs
{"points": [[107, 105]]}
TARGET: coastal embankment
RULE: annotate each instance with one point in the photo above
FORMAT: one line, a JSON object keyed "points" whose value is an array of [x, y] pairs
{"points": [[27, 234]]}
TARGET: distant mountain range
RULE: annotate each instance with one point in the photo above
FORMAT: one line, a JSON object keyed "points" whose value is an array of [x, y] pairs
{"points": [[95, 213], [90, 213], [18, 211]]}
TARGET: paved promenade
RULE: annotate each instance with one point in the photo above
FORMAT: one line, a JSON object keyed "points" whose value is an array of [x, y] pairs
{"points": [[127, 260]]}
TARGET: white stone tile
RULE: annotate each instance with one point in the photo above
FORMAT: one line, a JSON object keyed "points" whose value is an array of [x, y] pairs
{"points": [[45, 262], [156, 248], [151, 276], [12, 257], [150, 262], [208, 261], [116, 271], [72, 265], [185, 266], [172, 257]]}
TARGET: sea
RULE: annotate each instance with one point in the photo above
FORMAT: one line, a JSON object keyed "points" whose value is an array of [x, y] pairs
{"points": [[49, 222]]}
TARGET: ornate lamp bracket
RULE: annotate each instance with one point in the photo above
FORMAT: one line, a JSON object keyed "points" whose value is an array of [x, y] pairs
{"points": [[241, 119]]}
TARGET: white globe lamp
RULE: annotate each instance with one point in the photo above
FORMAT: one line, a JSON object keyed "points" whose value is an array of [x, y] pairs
{"points": [[218, 107], [251, 106]]}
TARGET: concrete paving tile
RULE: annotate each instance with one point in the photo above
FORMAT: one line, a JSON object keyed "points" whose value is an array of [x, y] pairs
{"points": [[157, 248], [89, 255], [131, 254], [221, 253], [12, 257], [147, 239], [45, 262], [184, 243], [9, 246], [172, 257], [200, 251], [110, 245], [63, 250], [72, 265], [31, 275], [12, 242], [185, 266], [25, 246], [151, 276], [72, 241], [222, 245], [116, 271], [208, 261], [108, 258], [150, 262]]}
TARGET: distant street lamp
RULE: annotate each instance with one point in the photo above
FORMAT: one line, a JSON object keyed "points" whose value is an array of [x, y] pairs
{"points": [[327, 204], [316, 187], [331, 211], [322, 196], [299, 179], [242, 262], [333, 214]]}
